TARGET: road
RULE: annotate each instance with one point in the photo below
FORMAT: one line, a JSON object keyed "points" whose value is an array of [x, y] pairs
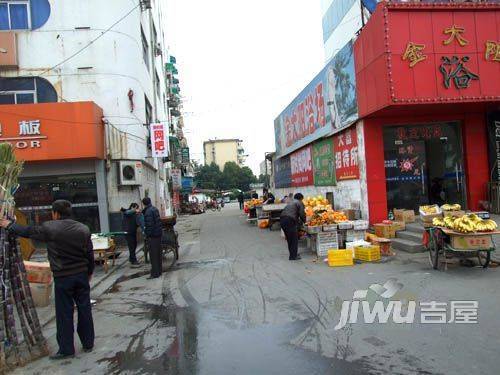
{"points": [[234, 304]]}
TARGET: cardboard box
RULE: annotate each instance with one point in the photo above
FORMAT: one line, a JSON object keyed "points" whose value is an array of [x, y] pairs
{"points": [[408, 216], [454, 213], [471, 242], [41, 294], [399, 225], [429, 218], [385, 230], [352, 214], [38, 272]]}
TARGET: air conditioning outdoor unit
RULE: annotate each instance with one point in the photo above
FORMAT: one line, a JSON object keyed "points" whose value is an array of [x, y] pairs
{"points": [[129, 173]]}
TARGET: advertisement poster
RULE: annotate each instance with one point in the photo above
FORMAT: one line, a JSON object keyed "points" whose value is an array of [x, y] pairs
{"points": [[324, 163], [326, 106], [301, 166], [282, 172], [346, 155], [159, 140], [176, 179], [494, 145]]}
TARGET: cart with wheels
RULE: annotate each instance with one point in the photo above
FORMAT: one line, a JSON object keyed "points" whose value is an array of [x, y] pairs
{"points": [[104, 247], [444, 243]]}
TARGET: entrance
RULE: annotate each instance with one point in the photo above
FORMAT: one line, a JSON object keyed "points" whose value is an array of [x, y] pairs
{"points": [[424, 165]]}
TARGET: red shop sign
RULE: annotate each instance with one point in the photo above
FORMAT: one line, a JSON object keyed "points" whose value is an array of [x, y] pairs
{"points": [[302, 168], [346, 155]]}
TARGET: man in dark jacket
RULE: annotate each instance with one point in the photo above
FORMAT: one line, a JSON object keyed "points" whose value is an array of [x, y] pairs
{"points": [[71, 259], [291, 216], [131, 220], [153, 231], [241, 199]]}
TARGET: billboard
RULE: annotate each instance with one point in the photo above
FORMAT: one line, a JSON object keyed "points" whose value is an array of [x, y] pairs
{"points": [[324, 163], [301, 166], [326, 106], [282, 172], [346, 155]]}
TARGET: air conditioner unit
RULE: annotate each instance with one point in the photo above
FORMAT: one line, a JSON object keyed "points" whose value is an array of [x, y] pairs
{"points": [[129, 173]]}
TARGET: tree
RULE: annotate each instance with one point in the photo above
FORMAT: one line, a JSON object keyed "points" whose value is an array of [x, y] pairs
{"points": [[247, 178], [209, 177]]}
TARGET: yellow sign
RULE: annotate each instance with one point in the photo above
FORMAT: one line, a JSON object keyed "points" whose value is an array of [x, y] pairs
{"points": [[492, 51], [455, 32], [414, 53]]}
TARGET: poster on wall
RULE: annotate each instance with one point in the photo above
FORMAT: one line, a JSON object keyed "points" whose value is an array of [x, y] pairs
{"points": [[324, 163], [494, 145], [301, 166], [176, 179], [159, 140], [346, 155], [282, 172], [326, 106]]}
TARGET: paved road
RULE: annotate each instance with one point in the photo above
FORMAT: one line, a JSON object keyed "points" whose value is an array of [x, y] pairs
{"points": [[236, 305]]}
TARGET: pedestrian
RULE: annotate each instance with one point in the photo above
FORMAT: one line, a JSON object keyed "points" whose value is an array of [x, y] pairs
{"points": [[131, 220], [71, 258], [153, 232], [241, 199], [291, 217]]}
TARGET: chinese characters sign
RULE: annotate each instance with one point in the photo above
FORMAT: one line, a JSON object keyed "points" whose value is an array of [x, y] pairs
{"points": [[301, 167], [159, 140], [282, 172], [324, 163], [327, 105], [176, 179], [29, 135], [494, 144], [346, 155]]}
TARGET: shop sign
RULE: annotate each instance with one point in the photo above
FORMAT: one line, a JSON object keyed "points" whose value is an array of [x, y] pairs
{"points": [[301, 167], [176, 179], [282, 172], [159, 140], [185, 155], [494, 145], [324, 163], [415, 133], [187, 184], [346, 155], [29, 135], [326, 106]]}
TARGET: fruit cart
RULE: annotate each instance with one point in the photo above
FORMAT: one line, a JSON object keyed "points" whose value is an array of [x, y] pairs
{"points": [[444, 243], [273, 213]]}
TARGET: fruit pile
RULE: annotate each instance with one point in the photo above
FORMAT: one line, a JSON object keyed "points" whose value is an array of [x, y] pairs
{"points": [[451, 207], [466, 224], [327, 218], [316, 205], [254, 202], [430, 210]]}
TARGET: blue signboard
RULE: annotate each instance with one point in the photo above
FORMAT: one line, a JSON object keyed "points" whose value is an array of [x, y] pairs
{"points": [[282, 172], [187, 184], [326, 106]]}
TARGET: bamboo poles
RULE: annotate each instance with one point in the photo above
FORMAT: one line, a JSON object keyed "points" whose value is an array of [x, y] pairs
{"points": [[15, 291]]}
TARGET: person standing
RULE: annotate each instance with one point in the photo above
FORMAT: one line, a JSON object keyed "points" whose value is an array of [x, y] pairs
{"points": [[290, 218], [153, 231], [131, 220], [71, 258], [241, 199]]}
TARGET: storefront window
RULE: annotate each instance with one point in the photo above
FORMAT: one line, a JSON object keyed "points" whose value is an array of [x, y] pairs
{"points": [[35, 196], [424, 165]]}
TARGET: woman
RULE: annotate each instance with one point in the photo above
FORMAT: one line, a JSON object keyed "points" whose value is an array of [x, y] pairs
{"points": [[131, 220]]}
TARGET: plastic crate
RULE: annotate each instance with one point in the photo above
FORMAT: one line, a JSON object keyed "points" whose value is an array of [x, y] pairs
{"points": [[367, 253], [339, 258]]}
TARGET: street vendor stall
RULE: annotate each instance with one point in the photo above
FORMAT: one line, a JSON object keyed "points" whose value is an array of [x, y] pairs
{"points": [[105, 248], [273, 213]]}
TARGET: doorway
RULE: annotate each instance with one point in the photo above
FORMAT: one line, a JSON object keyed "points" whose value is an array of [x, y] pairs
{"points": [[424, 165]]}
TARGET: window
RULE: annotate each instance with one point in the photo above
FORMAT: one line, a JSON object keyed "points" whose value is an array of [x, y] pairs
{"points": [[14, 15], [157, 84], [149, 111], [145, 48], [26, 90]]}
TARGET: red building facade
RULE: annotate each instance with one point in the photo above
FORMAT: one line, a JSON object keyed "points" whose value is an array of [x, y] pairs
{"points": [[427, 76]]}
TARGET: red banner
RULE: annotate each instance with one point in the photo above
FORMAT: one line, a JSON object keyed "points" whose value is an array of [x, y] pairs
{"points": [[346, 155], [302, 168]]}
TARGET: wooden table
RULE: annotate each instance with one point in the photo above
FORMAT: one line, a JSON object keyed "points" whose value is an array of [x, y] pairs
{"points": [[104, 253]]}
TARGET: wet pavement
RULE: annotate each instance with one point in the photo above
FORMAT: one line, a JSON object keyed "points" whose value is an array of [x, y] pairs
{"points": [[234, 304]]}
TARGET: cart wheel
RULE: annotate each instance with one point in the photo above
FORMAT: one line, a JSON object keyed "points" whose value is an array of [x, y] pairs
{"points": [[434, 255], [169, 255], [484, 258], [435, 247]]}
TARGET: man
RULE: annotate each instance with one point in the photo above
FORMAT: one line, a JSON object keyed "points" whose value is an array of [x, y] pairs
{"points": [[290, 218], [153, 231], [71, 259], [131, 220], [241, 199]]}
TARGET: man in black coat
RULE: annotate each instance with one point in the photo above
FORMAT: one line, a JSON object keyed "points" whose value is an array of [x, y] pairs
{"points": [[292, 215], [71, 258], [153, 231]]}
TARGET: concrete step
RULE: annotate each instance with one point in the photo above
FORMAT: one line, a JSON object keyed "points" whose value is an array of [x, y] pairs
{"points": [[415, 227], [407, 245], [411, 236]]}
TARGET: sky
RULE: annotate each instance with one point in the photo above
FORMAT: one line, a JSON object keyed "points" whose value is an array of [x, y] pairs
{"points": [[240, 64]]}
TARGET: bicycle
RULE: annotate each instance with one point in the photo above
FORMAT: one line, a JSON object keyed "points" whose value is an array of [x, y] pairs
{"points": [[169, 244]]}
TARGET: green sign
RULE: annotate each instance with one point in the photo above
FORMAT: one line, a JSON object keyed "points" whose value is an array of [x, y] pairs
{"points": [[324, 163], [185, 155]]}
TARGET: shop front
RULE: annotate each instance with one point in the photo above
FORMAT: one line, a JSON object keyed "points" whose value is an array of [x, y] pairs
{"points": [[427, 76], [62, 145]]}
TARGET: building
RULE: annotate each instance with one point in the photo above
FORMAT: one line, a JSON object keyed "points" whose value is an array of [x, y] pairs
{"points": [[78, 94], [221, 151], [265, 168], [405, 116]]}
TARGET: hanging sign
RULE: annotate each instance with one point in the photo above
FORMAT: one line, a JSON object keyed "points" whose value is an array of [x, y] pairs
{"points": [[159, 140], [494, 145], [346, 155], [176, 179]]}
